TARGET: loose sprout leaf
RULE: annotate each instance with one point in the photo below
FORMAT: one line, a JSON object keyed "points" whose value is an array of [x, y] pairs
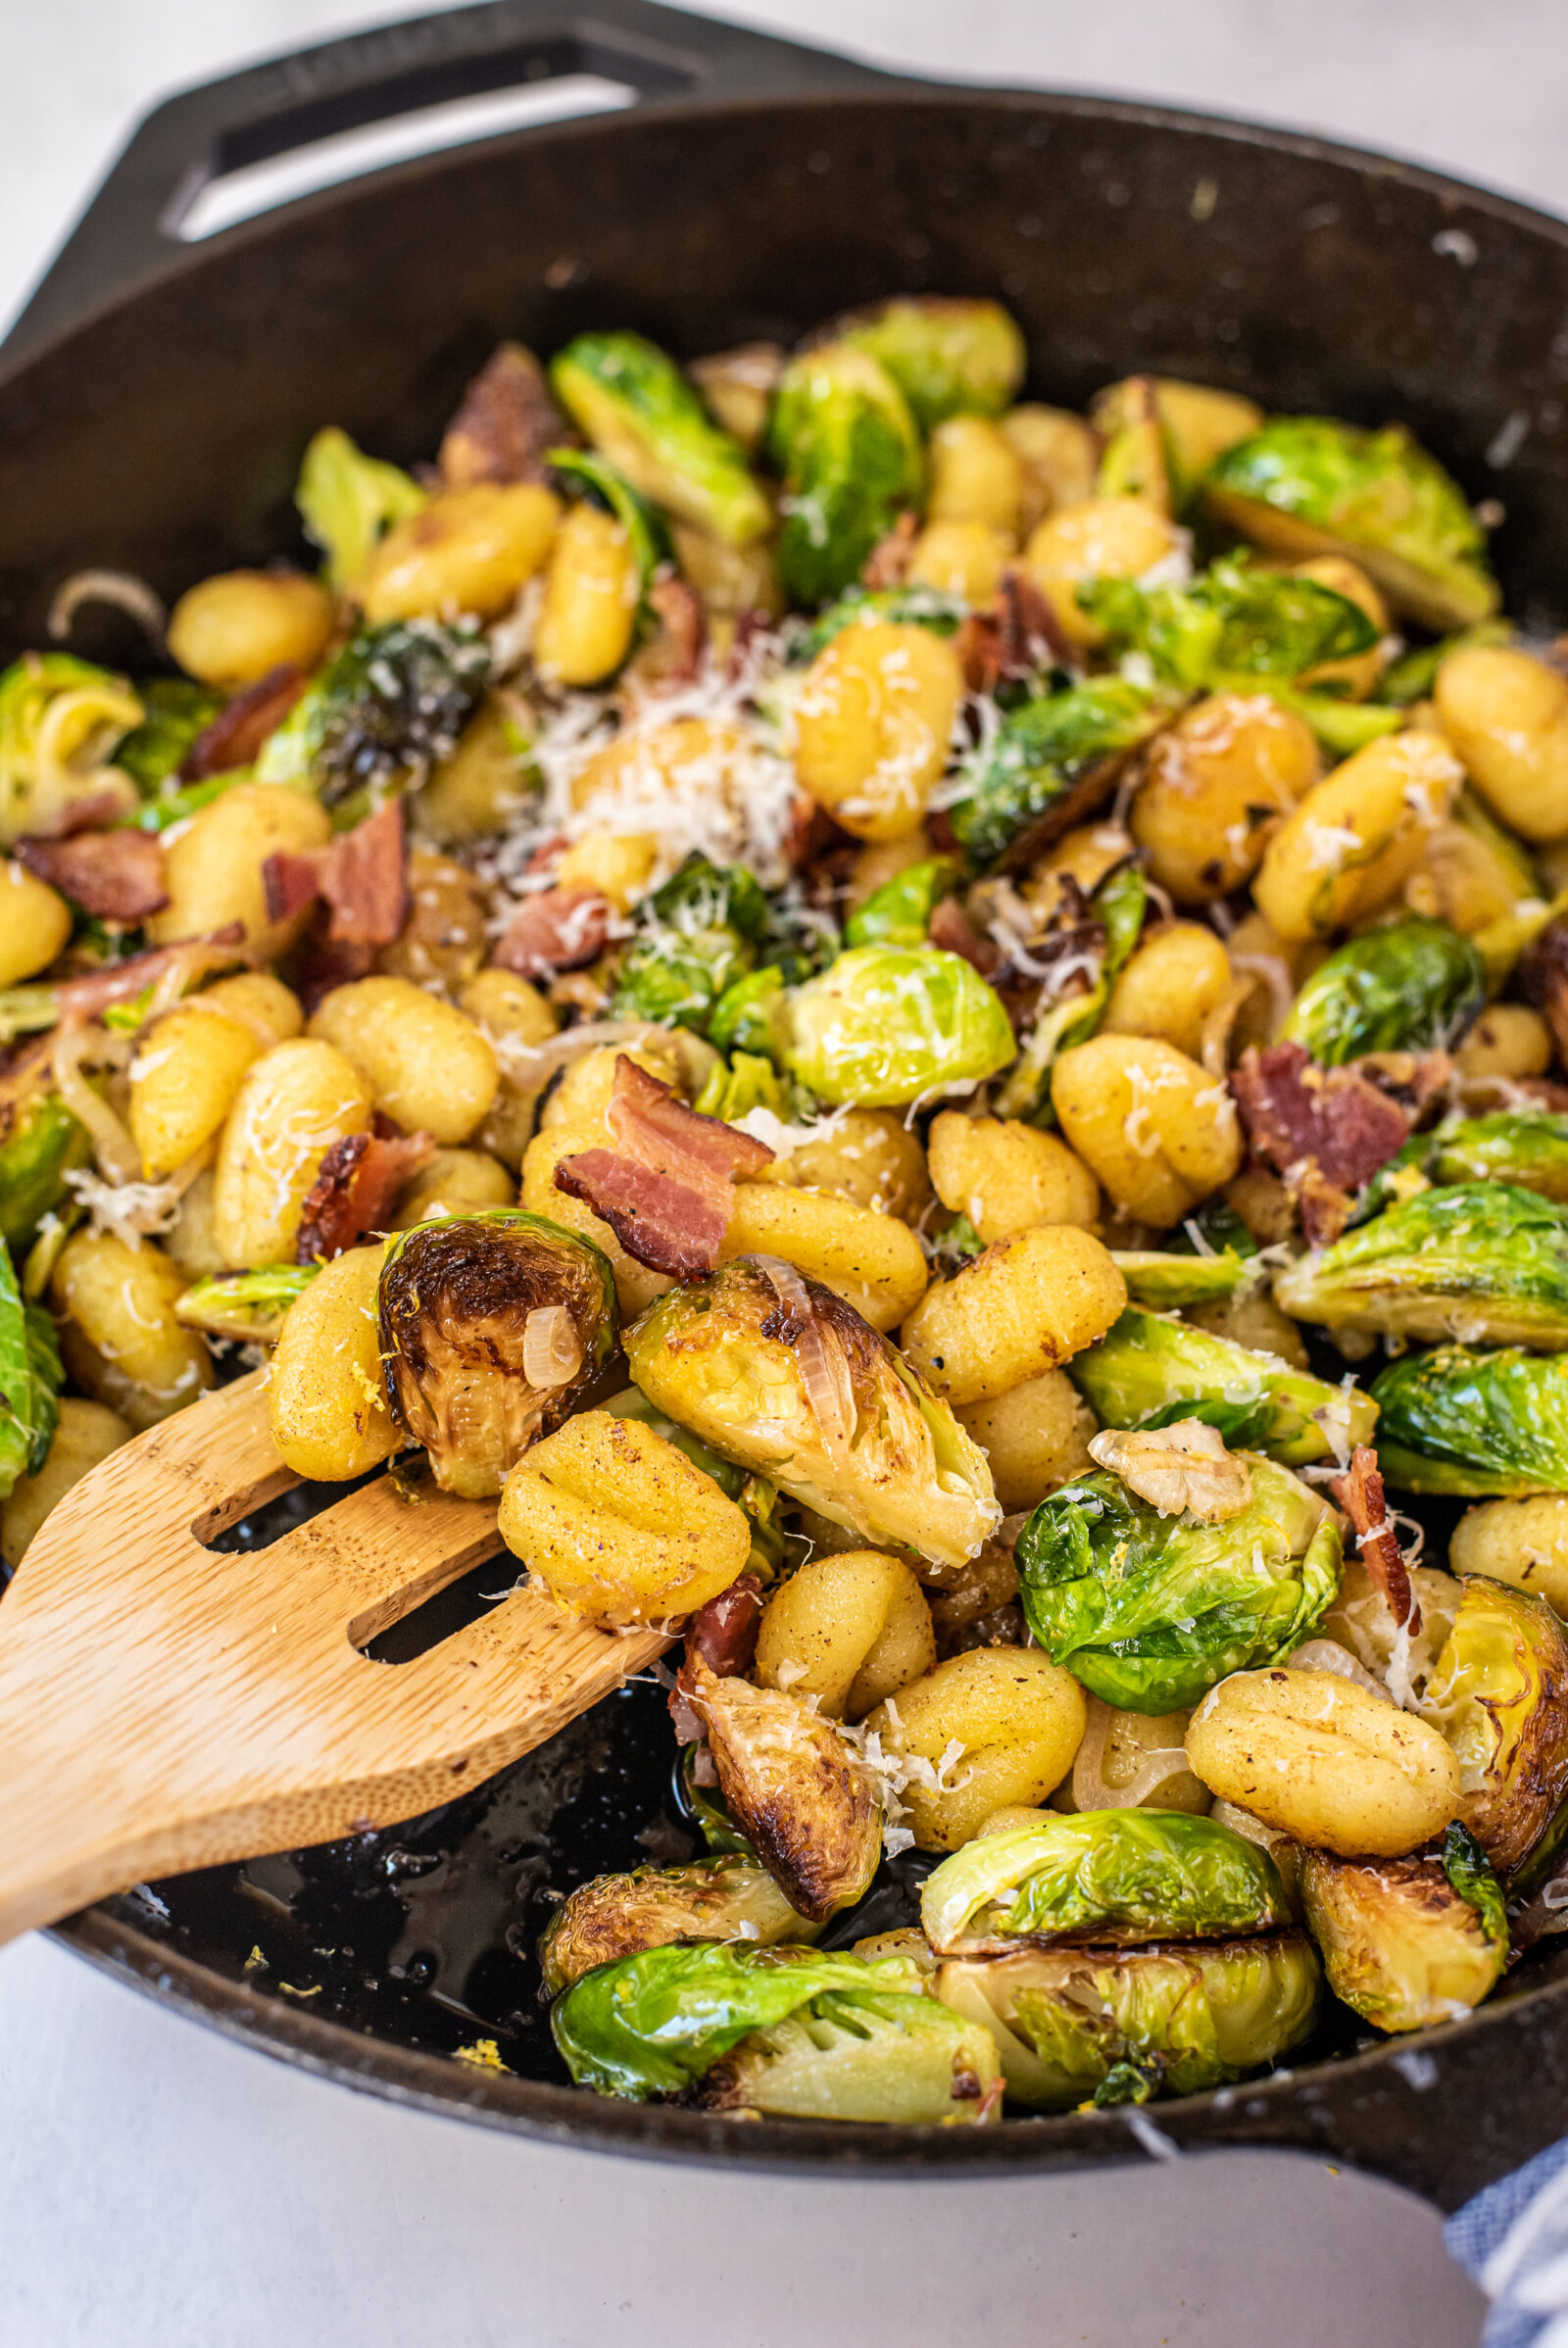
{"points": [[1050, 760], [1167, 1280], [643, 415], [1406, 988], [1151, 1371], [609, 488], [899, 914], [349, 501], [44, 1146], [174, 711], [248, 1306], [1233, 626], [1469, 1871], [1412, 676], [61, 721], [923, 607], [846, 443]]}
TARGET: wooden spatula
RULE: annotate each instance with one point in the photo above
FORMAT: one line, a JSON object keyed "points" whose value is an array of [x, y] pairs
{"points": [[165, 1706]]}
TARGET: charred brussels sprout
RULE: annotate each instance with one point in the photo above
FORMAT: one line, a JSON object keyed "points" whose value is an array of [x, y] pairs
{"points": [[29, 1381], [698, 939], [899, 914], [174, 712], [1482, 1262], [1310, 485], [1101, 1876], [492, 1327], [619, 1915], [1233, 628], [1499, 1692], [947, 358], [1149, 1371], [884, 1025], [44, 1145], [1475, 1424], [639, 411], [1148, 1611], [248, 1306], [1402, 989], [846, 443], [1064, 2019], [61, 722], [349, 501], [778, 1373], [1050, 763], [782, 2030], [1402, 1945], [392, 703]]}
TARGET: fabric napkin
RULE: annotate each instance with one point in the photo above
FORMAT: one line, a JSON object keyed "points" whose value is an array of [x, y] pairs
{"points": [[1513, 2239]]}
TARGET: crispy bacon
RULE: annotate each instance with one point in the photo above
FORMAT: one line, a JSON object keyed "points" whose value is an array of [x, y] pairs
{"points": [[292, 882], [952, 928], [354, 1189], [1359, 1492], [90, 995], [666, 1190], [117, 876], [724, 1631], [237, 734], [87, 815], [503, 424], [1019, 635], [1328, 1130], [683, 622], [362, 875], [559, 929], [888, 563]]}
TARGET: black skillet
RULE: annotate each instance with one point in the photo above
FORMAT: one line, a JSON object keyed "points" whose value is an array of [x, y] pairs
{"points": [[154, 400]]}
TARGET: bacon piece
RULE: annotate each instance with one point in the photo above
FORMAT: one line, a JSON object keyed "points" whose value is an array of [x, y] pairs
{"points": [[1328, 1130], [888, 563], [503, 424], [291, 882], [90, 995], [353, 1188], [560, 929], [652, 1126], [87, 815], [683, 620], [235, 735], [117, 876], [664, 1224], [724, 1631], [362, 875], [1018, 635], [952, 928], [318, 966], [1359, 1492]]}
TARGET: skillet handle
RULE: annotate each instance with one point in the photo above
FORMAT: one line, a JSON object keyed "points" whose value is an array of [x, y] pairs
{"points": [[130, 232]]}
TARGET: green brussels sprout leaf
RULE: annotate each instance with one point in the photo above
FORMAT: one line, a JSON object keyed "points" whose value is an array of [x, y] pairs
{"points": [[643, 415], [349, 501], [1414, 985]]}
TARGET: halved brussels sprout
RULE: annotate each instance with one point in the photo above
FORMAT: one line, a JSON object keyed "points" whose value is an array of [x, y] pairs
{"points": [[1526, 1147], [1192, 2017], [1101, 1876], [1485, 1262], [948, 356], [1149, 1371], [1402, 989], [1311, 485], [248, 1306], [885, 1025], [43, 1146], [388, 706], [846, 443], [729, 1898], [872, 2046], [1148, 1611], [349, 501], [491, 1328], [698, 938], [1233, 630], [1402, 1944], [776, 1372], [1499, 1693], [61, 721], [1476, 1423], [1050, 765], [640, 410]]}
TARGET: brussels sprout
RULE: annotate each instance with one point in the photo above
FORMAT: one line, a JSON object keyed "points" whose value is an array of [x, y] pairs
{"points": [[706, 1807], [746, 1082], [1482, 1262], [384, 711], [923, 606], [29, 1381], [1049, 765], [1412, 676], [947, 358], [646, 534], [1529, 1149], [793, 2030], [779, 1374], [699, 936], [348, 501], [1148, 1611], [619, 1915], [1102, 1875], [1233, 628], [639, 411], [174, 712], [178, 806], [61, 722], [1402, 1944], [44, 1143], [248, 1306], [844, 439], [885, 1025], [1474, 1424], [1499, 1692], [1148, 1371], [752, 1016], [899, 914], [1402, 989], [1311, 485], [492, 1327], [1194, 2017], [1166, 1282]]}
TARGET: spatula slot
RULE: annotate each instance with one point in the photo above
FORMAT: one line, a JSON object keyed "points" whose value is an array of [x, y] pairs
{"points": [[447, 1611], [262, 1514]]}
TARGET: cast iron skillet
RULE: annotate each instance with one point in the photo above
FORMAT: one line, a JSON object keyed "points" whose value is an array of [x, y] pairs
{"points": [[154, 401]]}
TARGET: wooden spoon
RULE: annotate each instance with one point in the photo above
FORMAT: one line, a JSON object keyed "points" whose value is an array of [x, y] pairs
{"points": [[165, 1706]]}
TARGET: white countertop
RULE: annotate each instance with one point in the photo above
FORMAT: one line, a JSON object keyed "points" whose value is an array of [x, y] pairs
{"points": [[161, 2188]]}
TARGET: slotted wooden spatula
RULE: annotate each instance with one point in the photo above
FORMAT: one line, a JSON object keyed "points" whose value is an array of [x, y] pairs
{"points": [[165, 1706]]}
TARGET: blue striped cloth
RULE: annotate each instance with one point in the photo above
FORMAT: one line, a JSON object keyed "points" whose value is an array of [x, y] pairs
{"points": [[1513, 2239]]}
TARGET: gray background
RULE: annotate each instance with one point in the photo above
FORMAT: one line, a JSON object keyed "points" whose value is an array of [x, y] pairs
{"points": [[159, 2188]]}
